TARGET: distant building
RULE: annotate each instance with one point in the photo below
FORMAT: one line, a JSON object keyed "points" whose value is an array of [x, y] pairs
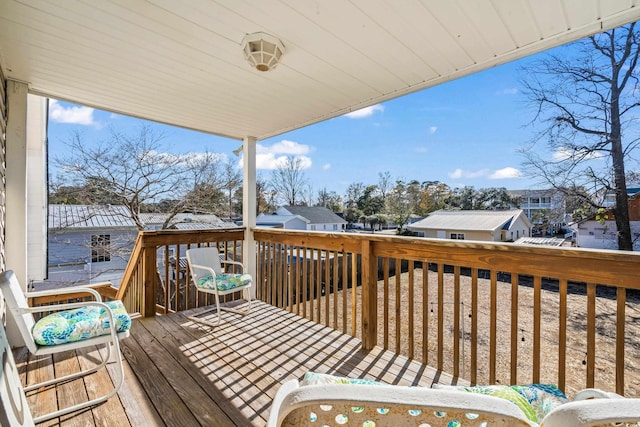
{"points": [[484, 225], [610, 196], [591, 233], [314, 218], [93, 243], [537, 203]]}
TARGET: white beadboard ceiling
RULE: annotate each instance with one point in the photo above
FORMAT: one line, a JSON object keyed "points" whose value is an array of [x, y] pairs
{"points": [[181, 62]]}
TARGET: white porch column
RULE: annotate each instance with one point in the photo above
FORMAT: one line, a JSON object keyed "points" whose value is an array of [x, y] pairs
{"points": [[16, 191], [249, 206], [16, 180], [37, 220]]}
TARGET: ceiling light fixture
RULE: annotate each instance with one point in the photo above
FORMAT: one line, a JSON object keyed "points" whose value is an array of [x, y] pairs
{"points": [[262, 51]]}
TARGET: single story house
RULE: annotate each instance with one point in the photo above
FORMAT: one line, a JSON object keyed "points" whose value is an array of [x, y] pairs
{"points": [[315, 218], [287, 222], [484, 225], [93, 243], [591, 233]]}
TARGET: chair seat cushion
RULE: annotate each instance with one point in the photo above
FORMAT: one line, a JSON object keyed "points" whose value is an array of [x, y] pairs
{"points": [[535, 400], [316, 378], [224, 281], [79, 324]]}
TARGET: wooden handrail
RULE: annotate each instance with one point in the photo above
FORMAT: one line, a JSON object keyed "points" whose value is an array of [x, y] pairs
{"points": [[106, 290], [142, 278], [499, 285]]}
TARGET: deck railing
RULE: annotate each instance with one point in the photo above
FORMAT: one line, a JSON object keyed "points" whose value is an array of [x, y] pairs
{"points": [[486, 312], [157, 276]]}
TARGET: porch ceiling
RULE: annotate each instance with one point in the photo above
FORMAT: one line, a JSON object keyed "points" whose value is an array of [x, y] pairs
{"points": [[181, 63]]}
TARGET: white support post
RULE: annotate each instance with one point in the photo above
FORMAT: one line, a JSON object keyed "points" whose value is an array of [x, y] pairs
{"points": [[16, 191], [249, 203], [16, 180]]}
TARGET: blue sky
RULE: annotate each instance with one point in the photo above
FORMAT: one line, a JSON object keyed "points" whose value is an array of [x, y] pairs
{"points": [[464, 132]]}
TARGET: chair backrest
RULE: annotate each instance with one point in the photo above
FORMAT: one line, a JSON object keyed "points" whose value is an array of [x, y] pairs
{"points": [[357, 404], [595, 412], [14, 410], [16, 301], [207, 256]]}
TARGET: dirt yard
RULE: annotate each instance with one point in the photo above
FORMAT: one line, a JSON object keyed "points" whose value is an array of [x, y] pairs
{"points": [[576, 327]]}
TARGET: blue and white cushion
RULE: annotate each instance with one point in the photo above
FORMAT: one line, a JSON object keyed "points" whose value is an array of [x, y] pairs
{"points": [[80, 324], [224, 281]]}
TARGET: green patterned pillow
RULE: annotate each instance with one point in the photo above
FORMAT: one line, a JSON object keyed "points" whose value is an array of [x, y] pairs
{"points": [[314, 378], [534, 400]]}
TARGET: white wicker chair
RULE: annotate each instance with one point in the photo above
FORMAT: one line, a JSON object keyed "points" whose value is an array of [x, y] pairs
{"points": [[382, 405]]}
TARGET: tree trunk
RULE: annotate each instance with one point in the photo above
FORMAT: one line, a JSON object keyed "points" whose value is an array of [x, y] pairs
{"points": [[621, 210]]}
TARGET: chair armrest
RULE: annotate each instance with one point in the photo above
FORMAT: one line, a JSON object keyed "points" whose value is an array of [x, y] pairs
{"points": [[244, 269], [283, 391], [62, 291], [203, 267], [595, 393], [67, 306]]}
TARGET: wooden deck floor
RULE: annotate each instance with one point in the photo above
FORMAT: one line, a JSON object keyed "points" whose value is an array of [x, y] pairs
{"points": [[181, 373]]}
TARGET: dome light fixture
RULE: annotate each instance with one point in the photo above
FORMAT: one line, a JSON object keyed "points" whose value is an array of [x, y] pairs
{"points": [[262, 50]]}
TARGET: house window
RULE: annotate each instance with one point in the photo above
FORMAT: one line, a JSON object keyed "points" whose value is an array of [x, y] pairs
{"points": [[313, 228], [457, 236], [100, 247], [335, 226]]}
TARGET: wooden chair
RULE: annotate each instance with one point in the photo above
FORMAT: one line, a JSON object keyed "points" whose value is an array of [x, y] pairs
{"points": [[100, 324], [208, 277]]}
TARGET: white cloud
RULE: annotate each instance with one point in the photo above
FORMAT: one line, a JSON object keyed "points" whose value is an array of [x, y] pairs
{"points": [[565, 154], [506, 173], [421, 149], [271, 161], [73, 115], [326, 166], [459, 173], [365, 112], [273, 156], [433, 130], [284, 147], [508, 91], [503, 173]]}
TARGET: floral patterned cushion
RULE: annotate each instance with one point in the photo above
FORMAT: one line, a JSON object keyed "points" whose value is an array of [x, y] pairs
{"points": [[79, 324], [224, 281], [314, 378], [535, 400]]}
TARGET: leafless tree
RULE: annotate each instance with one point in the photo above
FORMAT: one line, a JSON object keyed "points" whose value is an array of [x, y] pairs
{"points": [[385, 184], [231, 182], [134, 171], [585, 99], [289, 181]]}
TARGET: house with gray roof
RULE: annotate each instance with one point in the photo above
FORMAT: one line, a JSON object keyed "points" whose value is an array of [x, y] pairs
{"points": [[286, 222], [316, 218], [93, 243], [484, 225]]}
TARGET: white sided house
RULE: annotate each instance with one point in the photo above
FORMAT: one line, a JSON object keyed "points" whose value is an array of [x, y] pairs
{"points": [[483, 225], [603, 234], [93, 243], [88, 243], [314, 218], [286, 222]]}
